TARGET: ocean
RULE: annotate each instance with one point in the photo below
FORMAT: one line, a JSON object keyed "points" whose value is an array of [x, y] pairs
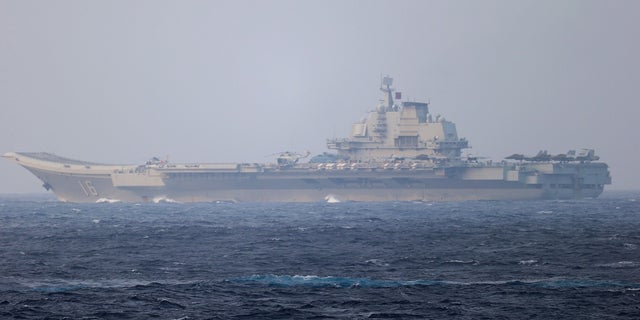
{"points": [[452, 260]]}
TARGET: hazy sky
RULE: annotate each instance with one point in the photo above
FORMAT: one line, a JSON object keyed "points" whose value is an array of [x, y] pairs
{"points": [[223, 81]]}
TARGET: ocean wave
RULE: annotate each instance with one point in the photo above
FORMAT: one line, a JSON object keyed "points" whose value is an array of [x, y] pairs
{"points": [[619, 264], [346, 282], [377, 262], [63, 285], [455, 261], [51, 286], [337, 282]]}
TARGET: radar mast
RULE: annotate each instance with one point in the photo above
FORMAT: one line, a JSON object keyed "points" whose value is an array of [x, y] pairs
{"points": [[386, 87]]}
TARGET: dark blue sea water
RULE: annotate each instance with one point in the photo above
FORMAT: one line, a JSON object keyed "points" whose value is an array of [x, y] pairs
{"points": [[459, 260]]}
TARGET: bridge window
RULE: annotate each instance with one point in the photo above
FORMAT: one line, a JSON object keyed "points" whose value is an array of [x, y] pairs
{"points": [[406, 141]]}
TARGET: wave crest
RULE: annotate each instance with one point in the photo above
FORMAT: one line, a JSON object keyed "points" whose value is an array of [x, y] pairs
{"points": [[346, 282]]}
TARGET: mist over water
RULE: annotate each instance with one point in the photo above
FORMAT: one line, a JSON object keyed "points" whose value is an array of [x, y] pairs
{"points": [[476, 259]]}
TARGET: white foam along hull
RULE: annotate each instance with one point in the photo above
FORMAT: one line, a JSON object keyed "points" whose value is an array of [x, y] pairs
{"points": [[77, 181]]}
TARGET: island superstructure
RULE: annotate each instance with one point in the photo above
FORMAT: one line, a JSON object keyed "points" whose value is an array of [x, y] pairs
{"points": [[399, 152], [406, 131]]}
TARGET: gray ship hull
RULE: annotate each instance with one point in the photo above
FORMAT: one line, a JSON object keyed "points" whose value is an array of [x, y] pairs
{"points": [[77, 181]]}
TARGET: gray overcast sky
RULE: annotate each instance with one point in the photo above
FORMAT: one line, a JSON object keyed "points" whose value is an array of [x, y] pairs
{"points": [[223, 81]]}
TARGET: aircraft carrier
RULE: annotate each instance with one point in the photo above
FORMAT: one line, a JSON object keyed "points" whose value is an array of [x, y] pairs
{"points": [[399, 152]]}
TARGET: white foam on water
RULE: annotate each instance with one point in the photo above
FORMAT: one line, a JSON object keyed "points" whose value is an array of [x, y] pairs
{"points": [[619, 264], [377, 262], [332, 199], [346, 282], [164, 199], [455, 261], [107, 200]]}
